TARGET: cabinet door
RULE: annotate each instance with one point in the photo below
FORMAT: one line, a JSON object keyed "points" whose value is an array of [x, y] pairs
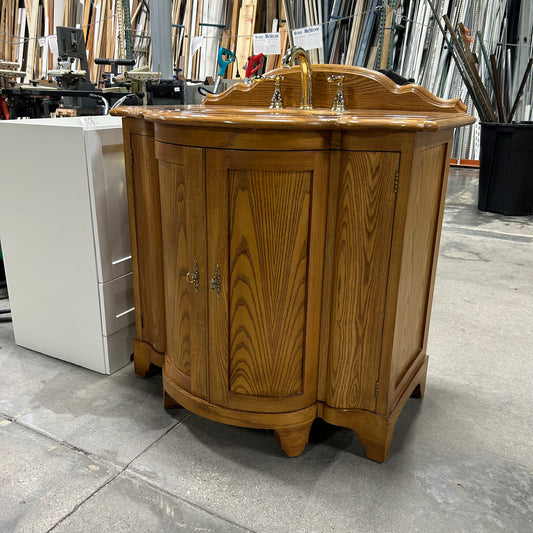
{"points": [[365, 215], [182, 188], [266, 231]]}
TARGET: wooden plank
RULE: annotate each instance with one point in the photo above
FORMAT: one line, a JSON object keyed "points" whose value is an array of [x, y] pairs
{"points": [[231, 70], [284, 41], [199, 32], [89, 42], [86, 14], [497, 91], [111, 35], [389, 11], [4, 28], [247, 16], [32, 7], [272, 59], [476, 80], [271, 12], [38, 50], [187, 37]]}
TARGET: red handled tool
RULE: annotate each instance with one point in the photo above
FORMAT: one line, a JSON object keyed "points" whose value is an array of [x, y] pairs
{"points": [[4, 111], [253, 65]]}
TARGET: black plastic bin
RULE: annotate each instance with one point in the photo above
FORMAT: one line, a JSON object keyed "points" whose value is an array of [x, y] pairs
{"points": [[506, 168]]}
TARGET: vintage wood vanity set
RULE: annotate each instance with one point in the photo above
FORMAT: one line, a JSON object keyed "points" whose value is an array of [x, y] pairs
{"points": [[285, 238]]}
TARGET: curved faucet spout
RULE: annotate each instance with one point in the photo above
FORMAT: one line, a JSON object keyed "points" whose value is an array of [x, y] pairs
{"points": [[296, 52]]}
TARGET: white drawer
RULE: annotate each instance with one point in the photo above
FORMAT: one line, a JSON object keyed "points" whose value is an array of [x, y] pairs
{"points": [[117, 305], [107, 185], [119, 348]]}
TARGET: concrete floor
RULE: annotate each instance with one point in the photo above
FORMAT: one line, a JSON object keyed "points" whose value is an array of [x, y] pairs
{"points": [[81, 452]]}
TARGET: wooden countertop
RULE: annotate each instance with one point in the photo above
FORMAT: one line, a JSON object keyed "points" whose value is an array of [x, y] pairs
{"points": [[373, 101], [293, 118]]}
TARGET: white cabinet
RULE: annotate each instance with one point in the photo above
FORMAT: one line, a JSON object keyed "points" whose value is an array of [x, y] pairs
{"points": [[65, 238]]}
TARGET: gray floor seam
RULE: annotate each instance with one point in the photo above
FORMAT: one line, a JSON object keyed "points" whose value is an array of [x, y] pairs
{"points": [[122, 470], [112, 478], [64, 443], [151, 484], [78, 505]]}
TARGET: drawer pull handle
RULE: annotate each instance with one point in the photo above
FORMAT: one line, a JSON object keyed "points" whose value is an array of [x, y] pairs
{"points": [[125, 312], [194, 277], [215, 282]]}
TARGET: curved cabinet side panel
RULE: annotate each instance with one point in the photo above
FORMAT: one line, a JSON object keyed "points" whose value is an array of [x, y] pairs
{"points": [[145, 183], [183, 227], [366, 203]]}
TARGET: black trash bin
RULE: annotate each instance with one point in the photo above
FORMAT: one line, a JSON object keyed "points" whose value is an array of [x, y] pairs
{"points": [[506, 168]]}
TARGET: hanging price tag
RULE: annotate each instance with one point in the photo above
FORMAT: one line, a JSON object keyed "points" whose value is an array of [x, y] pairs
{"points": [[196, 42], [267, 43], [42, 41], [52, 43], [308, 38]]}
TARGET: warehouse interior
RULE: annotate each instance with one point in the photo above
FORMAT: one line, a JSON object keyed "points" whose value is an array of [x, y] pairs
{"points": [[276, 276]]}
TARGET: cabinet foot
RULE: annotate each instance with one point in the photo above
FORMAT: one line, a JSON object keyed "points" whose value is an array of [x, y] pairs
{"points": [[375, 431], [419, 390], [420, 380], [143, 368], [293, 439], [377, 440], [169, 402], [146, 359]]}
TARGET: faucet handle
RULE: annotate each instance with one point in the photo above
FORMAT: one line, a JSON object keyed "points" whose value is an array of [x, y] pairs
{"points": [[277, 101], [334, 78], [339, 103], [275, 77]]}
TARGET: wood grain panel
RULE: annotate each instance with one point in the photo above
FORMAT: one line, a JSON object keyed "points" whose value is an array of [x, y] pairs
{"points": [[262, 210], [420, 240], [363, 89], [268, 228], [363, 240], [145, 184], [184, 236]]}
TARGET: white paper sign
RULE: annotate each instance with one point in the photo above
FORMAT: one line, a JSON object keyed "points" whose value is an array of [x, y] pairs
{"points": [[267, 43], [308, 38], [52, 43], [42, 41], [196, 42]]}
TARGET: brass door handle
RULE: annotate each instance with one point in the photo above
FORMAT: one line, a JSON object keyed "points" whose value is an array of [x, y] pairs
{"points": [[215, 282], [194, 277]]}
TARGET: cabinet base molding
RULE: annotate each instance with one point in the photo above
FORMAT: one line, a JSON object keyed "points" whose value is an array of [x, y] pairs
{"points": [[246, 419], [291, 430], [145, 357], [375, 431]]}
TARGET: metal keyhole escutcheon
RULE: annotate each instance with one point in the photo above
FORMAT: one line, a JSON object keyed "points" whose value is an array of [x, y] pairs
{"points": [[194, 277], [215, 281]]}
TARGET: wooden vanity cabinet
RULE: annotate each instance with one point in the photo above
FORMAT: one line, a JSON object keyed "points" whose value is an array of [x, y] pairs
{"points": [[292, 254]]}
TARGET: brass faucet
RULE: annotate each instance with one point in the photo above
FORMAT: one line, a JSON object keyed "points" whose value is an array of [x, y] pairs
{"points": [[296, 52]]}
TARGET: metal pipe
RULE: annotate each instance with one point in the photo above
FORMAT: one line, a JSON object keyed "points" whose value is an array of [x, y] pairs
{"points": [[161, 29]]}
